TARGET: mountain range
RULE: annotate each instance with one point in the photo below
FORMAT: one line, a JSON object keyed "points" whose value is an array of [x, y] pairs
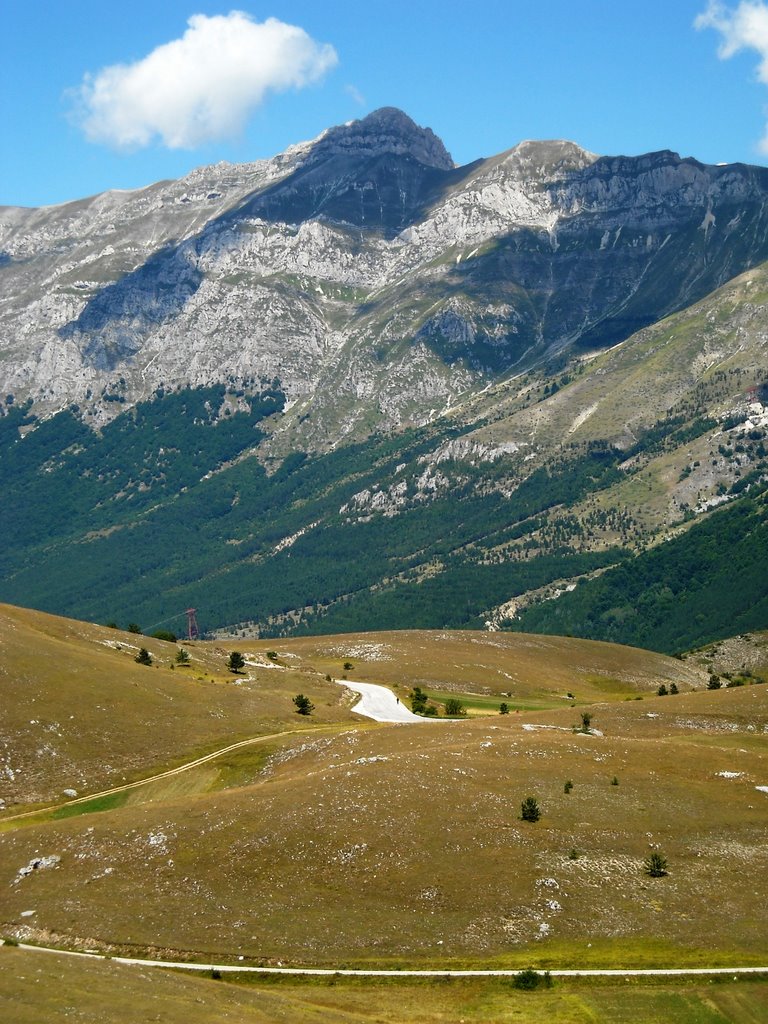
{"points": [[540, 375]]}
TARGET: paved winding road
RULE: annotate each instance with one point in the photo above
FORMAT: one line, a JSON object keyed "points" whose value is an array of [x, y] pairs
{"points": [[379, 703]]}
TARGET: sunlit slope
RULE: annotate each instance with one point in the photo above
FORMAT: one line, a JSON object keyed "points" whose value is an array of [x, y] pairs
{"points": [[77, 712], [405, 844], [54, 987], [519, 666]]}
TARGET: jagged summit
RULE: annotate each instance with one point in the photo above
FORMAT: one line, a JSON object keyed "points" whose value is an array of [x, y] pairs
{"points": [[386, 130]]}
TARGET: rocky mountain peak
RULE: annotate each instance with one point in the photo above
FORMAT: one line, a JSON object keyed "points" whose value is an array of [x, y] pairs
{"points": [[386, 130]]}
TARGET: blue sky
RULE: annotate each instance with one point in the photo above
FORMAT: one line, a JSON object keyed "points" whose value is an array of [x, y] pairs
{"points": [[616, 76]]}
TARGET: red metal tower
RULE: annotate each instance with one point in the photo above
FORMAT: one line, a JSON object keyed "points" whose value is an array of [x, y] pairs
{"points": [[193, 633]]}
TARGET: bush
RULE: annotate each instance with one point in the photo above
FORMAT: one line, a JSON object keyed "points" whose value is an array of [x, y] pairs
{"points": [[568, 786], [528, 980], [714, 682], [348, 665], [573, 853], [143, 657], [165, 634], [182, 657], [673, 689], [419, 700], [133, 627], [304, 705], [614, 781], [586, 720], [454, 708], [503, 708], [662, 691], [655, 865], [530, 810]]}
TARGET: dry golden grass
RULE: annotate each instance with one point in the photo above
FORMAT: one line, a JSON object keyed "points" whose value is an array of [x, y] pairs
{"points": [[403, 844], [77, 712], [55, 989], [363, 844], [533, 669]]}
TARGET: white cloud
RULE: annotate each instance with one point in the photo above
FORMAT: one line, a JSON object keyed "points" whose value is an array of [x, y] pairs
{"points": [[355, 94], [201, 87], [742, 28]]}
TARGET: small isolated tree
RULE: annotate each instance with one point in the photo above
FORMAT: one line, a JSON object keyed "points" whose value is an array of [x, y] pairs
{"points": [[568, 786], [133, 627], [235, 662], [454, 708], [304, 705], [348, 665], [614, 781], [662, 691], [714, 682], [530, 809], [182, 657], [143, 657], [655, 865], [586, 720], [673, 689], [503, 708]]}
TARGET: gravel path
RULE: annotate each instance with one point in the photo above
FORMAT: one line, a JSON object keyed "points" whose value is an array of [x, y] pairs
{"points": [[427, 973]]}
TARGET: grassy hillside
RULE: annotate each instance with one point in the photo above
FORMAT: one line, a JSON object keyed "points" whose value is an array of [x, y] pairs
{"points": [[77, 712], [38, 986], [405, 845]]}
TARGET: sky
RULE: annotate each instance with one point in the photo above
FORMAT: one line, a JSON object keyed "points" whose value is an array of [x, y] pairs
{"points": [[97, 95]]}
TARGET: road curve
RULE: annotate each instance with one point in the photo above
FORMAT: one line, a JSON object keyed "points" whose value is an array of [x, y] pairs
{"points": [[596, 972], [379, 703]]}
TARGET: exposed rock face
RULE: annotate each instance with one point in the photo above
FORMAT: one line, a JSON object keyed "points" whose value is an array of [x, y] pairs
{"points": [[374, 278]]}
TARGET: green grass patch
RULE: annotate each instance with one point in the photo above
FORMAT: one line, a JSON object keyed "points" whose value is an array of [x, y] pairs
{"points": [[99, 803]]}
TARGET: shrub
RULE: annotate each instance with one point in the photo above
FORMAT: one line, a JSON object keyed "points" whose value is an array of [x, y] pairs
{"points": [[655, 865], [714, 682], [272, 655], [133, 627], [673, 688], [165, 634], [528, 980], [530, 810], [573, 853], [348, 665], [614, 781], [568, 786], [454, 708], [662, 691], [182, 657], [586, 720], [143, 657], [503, 708], [304, 705], [419, 700]]}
